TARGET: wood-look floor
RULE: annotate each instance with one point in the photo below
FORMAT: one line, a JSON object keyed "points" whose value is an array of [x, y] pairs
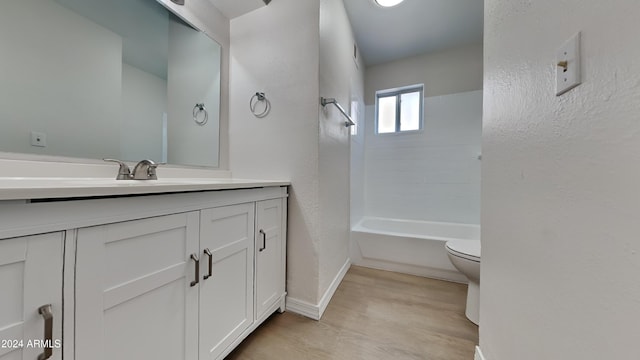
{"points": [[373, 315]]}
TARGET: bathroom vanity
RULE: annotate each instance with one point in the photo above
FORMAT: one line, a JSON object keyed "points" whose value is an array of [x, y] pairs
{"points": [[95, 268], [173, 269]]}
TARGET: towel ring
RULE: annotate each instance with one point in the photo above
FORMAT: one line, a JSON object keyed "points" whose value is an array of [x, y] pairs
{"points": [[199, 108], [259, 97]]}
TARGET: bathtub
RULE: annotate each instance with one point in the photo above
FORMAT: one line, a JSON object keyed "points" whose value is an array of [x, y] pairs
{"points": [[408, 246]]}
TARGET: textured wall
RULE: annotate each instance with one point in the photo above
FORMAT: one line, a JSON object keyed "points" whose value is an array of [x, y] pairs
{"points": [[560, 175], [275, 49], [295, 52]]}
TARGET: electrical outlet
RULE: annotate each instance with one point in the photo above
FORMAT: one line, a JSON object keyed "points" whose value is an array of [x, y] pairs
{"points": [[38, 139], [568, 65]]}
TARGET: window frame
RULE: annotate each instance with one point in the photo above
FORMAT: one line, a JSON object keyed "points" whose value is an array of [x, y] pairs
{"points": [[398, 92]]}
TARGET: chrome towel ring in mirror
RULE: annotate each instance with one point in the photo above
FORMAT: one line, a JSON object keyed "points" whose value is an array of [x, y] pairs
{"points": [[259, 97], [199, 108]]}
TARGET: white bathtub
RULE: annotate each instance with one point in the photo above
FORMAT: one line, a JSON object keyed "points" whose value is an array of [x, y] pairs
{"points": [[412, 247]]}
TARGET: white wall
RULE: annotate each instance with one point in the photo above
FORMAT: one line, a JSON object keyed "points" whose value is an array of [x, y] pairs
{"points": [[29, 97], [144, 101], [430, 175], [446, 72], [340, 78], [560, 175], [296, 51], [275, 49]]}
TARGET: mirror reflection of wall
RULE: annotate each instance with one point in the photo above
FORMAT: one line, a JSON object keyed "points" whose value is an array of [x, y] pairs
{"points": [[194, 76], [93, 79]]}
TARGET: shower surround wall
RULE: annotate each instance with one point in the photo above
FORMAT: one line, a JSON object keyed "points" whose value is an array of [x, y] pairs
{"points": [[429, 175], [296, 51], [433, 174]]}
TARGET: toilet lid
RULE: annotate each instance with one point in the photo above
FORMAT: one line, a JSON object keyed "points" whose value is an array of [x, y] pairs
{"points": [[468, 249]]}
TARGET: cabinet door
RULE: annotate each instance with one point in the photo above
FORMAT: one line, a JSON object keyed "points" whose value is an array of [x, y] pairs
{"points": [[226, 297], [270, 258], [30, 277], [134, 298]]}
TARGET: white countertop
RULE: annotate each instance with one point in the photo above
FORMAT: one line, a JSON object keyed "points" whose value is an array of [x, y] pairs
{"points": [[21, 188]]}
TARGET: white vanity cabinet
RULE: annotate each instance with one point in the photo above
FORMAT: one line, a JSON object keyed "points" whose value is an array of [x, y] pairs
{"points": [[133, 292], [30, 290], [243, 257], [163, 277], [270, 257], [178, 286]]}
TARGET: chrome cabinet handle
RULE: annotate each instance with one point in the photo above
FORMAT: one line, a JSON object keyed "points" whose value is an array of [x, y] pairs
{"points": [[210, 255], [195, 282], [264, 240], [47, 314]]}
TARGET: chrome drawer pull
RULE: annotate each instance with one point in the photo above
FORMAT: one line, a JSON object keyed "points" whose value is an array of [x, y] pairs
{"points": [[47, 314], [210, 255], [195, 282], [264, 240]]}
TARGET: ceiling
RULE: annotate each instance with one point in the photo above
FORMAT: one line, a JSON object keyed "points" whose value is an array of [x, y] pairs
{"points": [[413, 27]]}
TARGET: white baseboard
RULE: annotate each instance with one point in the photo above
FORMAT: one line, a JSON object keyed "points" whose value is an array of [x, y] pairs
{"points": [[478, 355], [315, 311], [303, 308], [326, 298]]}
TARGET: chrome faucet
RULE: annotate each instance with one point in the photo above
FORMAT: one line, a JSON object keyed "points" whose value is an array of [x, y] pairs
{"points": [[144, 170]]}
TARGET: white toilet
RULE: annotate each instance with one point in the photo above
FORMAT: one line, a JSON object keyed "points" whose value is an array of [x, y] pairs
{"points": [[465, 256]]}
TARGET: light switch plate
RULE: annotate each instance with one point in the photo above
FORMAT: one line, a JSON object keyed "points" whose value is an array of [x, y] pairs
{"points": [[568, 65]]}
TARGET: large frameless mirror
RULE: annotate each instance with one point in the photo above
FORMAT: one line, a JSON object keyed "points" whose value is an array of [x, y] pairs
{"points": [[122, 79]]}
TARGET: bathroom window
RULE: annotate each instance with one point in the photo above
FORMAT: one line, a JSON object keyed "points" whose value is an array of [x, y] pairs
{"points": [[399, 110]]}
